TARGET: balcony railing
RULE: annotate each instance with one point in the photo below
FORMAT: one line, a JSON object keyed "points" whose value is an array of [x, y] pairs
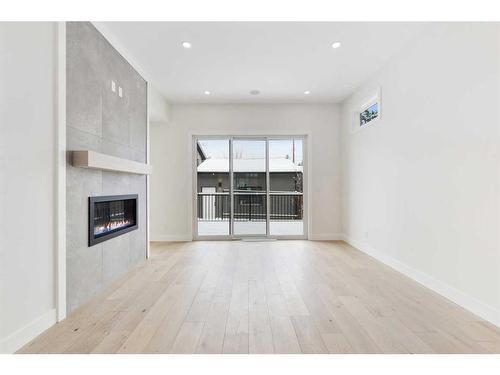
{"points": [[250, 206], [214, 206]]}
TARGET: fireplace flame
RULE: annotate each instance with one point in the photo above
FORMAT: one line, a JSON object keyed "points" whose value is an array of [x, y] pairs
{"points": [[108, 227]]}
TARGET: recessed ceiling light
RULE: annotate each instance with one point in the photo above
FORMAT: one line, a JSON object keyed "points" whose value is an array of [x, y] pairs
{"points": [[186, 45], [307, 92], [206, 92], [336, 44], [254, 92]]}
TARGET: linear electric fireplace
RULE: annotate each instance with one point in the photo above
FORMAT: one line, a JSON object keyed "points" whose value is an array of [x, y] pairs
{"points": [[111, 216]]}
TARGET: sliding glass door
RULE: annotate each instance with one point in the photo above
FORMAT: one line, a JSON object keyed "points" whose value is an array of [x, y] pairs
{"points": [[249, 186], [286, 180], [213, 186]]}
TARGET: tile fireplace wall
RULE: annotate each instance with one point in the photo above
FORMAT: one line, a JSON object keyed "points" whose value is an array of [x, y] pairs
{"points": [[99, 119]]}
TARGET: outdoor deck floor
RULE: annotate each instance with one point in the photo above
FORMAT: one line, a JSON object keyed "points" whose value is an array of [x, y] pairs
{"points": [[220, 227]]}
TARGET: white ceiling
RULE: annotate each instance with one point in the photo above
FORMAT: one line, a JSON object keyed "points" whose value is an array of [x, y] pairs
{"points": [[280, 59]]}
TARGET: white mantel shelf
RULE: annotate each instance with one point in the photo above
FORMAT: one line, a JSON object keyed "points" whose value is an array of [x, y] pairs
{"points": [[96, 160]]}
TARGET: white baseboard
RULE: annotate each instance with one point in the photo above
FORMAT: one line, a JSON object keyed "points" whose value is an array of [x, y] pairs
{"points": [[183, 238], [462, 299], [27, 333], [326, 237], [169, 238]]}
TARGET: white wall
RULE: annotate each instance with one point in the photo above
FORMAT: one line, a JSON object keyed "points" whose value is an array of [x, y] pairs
{"points": [[420, 190], [27, 189], [159, 108], [170, 157]]}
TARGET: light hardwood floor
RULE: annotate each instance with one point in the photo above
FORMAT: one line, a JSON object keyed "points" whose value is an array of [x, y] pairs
{"points": [[266, 297]]}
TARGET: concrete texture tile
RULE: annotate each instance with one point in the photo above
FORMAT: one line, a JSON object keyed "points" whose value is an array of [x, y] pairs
{"points": [[115, 119], [116, 149], [84, 276], [138, 115], [115, 258], [138, 238], [77, 139], [138, 244], [138, 155], [81, 184], [83, 84], [115, 183], [98, 119]]}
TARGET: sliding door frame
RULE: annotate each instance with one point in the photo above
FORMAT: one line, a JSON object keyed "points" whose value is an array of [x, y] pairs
{"points": [[194, 138]]}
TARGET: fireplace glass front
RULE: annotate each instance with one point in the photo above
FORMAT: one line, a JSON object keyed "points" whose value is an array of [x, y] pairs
{"points": [[111, 216]]}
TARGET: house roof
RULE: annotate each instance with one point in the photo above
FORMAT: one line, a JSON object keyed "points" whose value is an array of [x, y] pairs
{"points": [[249, 165], [201, 151]]}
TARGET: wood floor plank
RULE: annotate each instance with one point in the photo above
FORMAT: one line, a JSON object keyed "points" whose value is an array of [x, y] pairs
{"points": [[169, 325], [111, 342], [444, 343], [212, 338], [152, 320], [490, 346], [357, 336], [259, 325], [322, 317], [267, 297], [236, 334], [336, 343], [309, 338], [284, 336], [383, 337], [480, 332], [93, 337], [188, 337]]}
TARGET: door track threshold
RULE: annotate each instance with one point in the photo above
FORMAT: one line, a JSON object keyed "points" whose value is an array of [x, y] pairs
{"points": [[249, 239]]}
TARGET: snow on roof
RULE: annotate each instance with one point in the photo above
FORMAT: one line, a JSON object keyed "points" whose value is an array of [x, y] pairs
{"points": [[249, 165]]}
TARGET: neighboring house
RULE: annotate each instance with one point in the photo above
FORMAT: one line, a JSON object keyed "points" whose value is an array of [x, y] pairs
{"points": [[249, 174], [200, 154]]}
